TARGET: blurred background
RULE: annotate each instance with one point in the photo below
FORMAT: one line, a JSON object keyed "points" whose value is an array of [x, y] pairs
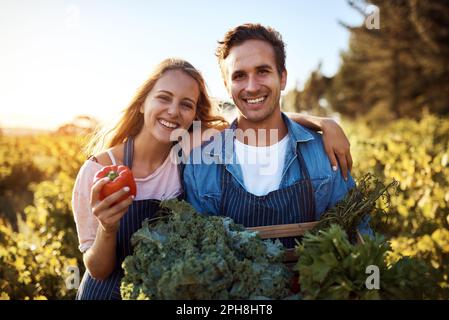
{"points": [[379, 67]]}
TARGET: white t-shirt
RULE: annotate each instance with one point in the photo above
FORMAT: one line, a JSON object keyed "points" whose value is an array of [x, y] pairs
{"points": [[261, 166]]}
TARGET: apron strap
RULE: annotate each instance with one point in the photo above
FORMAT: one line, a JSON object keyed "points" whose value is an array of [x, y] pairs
{"points": [[181, 166], [310, 214], [129, 152], [302, 163]]}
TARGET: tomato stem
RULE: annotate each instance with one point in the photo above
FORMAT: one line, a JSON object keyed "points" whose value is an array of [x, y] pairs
{"points": [[112, 175]]}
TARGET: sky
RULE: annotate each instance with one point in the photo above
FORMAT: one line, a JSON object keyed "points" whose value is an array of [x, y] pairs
{"points": [[59, 59]]}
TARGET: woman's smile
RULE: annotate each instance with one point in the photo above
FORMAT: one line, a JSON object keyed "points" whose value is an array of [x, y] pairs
{"points": [[168, 125]]}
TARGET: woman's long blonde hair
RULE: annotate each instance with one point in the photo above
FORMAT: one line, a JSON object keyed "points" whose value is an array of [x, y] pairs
{"points": [[132, 120]]}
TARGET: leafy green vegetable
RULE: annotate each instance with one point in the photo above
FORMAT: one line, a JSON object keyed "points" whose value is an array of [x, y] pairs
{"points": [[184, 255], [330, 267], [359, 202]]}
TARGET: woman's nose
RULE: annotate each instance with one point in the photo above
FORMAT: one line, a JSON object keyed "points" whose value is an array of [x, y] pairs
{"points": [[173, 108]]}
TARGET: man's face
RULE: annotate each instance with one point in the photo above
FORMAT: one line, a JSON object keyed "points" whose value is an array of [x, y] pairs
{"points": [[252, 79]]}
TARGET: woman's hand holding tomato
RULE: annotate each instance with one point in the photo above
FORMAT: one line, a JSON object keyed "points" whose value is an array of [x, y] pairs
{"points": [[112, 193]]}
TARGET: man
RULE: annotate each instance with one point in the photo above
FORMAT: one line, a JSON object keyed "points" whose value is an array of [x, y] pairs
{"points": [[234, 175]]}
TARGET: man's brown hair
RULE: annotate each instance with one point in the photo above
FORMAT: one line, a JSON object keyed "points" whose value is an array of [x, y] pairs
{"points": [[252, 31]]}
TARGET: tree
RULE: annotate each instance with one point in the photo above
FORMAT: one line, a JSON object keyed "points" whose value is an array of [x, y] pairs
{"points": [[79, 125], [400, 69], [312, 98]]}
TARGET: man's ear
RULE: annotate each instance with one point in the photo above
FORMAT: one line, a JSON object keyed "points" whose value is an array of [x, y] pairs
{"points": [[283, 79], [228, 89], [224, 75]]}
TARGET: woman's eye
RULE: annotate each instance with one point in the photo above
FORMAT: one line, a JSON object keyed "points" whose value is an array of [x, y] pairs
{"points": [[188, 105], [164, 98]]}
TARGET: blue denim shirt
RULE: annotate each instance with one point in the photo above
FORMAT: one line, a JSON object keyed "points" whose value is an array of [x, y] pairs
{"points": [[202, 175]]}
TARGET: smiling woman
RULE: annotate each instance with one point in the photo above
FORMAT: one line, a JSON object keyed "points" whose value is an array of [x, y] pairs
{"points": [[172, 97]]}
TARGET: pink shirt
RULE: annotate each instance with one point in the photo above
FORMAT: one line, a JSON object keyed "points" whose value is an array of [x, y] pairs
{"points": [[163, 183]]}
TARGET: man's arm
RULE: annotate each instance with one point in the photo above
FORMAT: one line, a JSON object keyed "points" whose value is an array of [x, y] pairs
{"points": [[336, 144], [312, 122], [191, 189], [201, 203]]}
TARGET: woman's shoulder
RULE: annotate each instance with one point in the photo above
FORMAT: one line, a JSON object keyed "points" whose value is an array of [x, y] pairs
{"points": [[95, 163], [104, 158]]}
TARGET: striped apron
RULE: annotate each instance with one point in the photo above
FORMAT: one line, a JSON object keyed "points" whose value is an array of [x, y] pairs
{"points": [[293, 204], [139, 210]]}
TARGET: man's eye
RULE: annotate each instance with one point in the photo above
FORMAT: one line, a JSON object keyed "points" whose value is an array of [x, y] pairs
{"points": [[238, 77], [263, 71]]}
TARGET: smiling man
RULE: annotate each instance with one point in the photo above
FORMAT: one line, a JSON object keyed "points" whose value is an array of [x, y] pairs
{"points": [[237, 183]]}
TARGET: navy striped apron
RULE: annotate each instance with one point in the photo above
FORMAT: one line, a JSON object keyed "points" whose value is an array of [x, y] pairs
{"points": [[293, 204], [109, 289]]}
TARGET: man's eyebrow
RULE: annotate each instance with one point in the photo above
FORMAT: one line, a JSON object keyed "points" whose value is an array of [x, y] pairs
{"points": [[238, 72], [264, 66]]}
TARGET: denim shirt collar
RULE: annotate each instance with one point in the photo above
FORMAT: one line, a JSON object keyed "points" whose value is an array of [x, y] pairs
{"points": [[225, 154]]}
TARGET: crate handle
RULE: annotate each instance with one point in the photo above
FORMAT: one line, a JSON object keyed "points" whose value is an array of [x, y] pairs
{"points": [[284, 230]]}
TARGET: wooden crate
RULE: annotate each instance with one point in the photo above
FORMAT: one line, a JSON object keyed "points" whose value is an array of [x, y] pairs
{"points": [[289, 230]]}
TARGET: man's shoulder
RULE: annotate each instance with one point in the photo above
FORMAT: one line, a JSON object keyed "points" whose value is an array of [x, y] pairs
{"points": [[312, 149], [303, 134]]}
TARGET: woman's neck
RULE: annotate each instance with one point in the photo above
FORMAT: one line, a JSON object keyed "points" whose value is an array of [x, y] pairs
{"points": [[149, 153]]}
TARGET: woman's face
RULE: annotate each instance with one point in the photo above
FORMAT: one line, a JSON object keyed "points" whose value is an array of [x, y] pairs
{"points": [[170, 105]]}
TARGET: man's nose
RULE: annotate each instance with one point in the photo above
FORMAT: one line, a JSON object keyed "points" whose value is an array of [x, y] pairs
{"points": [[252, 85]]}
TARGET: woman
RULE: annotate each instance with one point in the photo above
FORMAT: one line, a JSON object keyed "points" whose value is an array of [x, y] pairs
{"points": [[172, 98]]}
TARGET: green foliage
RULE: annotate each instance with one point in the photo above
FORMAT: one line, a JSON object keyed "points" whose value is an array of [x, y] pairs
{"points": [[185, 255], [360, 202], [32, 265], [37, 174], [330, 267], [416, 154], [36, 248]]}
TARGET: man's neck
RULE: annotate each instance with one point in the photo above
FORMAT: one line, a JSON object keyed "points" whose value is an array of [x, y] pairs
{"points": [[263, 133]]}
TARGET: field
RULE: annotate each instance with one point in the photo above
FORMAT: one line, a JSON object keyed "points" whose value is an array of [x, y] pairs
{"points": [[38, 242]]}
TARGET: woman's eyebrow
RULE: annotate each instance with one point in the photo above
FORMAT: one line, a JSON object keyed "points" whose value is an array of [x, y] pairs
{"points": [[165, 91], [171, 94], [190, 100]]}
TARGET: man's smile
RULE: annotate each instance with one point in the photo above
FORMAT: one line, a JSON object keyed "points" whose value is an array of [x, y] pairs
{"points": [[255, 100]]}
